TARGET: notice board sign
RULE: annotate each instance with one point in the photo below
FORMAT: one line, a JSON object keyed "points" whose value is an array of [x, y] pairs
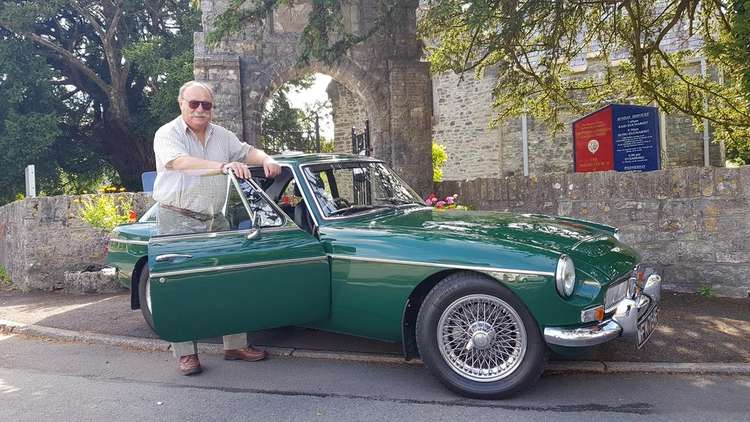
{"points": [[617, 137]]}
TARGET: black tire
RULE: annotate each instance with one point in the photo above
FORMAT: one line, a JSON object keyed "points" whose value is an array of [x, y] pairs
{"points": [[464, 291], [143, 281]]}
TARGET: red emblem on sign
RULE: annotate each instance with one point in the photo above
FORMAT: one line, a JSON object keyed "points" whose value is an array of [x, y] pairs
{"points": [[592, 138]]}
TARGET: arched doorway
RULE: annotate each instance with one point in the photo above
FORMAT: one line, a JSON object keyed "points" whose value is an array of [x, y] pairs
{"points": [[385, 72]]}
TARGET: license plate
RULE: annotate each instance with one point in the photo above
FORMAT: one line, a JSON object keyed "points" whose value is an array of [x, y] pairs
{"points": [[647, 325]]}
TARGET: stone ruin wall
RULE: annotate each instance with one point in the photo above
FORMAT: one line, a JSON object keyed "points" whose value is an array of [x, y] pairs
{"points": [[461, 121], [463, 113], [348, 112], [384, 73]]}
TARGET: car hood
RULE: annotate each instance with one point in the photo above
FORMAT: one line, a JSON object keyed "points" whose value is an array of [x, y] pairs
{"points": [[591, 245]]}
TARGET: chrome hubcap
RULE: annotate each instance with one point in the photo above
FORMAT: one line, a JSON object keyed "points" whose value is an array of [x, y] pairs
{"points": [[482, 335], [481, 338]]}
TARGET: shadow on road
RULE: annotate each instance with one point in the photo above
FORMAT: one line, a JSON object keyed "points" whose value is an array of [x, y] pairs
{"points": [[692, 328]]}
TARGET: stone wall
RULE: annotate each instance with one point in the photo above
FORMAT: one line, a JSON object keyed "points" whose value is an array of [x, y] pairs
{"points": [[463, 115], [463, 111], [348, 112], [385, 72], [690, 223], [42, 238]]}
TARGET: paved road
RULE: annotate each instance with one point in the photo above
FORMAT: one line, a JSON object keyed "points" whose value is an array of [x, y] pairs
{"points": [[71, 381]]}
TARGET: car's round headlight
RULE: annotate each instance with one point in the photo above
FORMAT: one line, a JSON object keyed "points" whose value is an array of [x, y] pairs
{"points": [[565, 276]]}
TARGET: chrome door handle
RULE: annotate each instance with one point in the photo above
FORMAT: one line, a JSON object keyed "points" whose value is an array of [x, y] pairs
{"points": [[172, 257]]}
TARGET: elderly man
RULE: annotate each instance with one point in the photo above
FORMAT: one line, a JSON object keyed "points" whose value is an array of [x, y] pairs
{"points": [[191, 155]]}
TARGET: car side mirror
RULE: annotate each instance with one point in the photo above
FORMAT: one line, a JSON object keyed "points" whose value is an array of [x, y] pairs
{"points": [[254, 232]]}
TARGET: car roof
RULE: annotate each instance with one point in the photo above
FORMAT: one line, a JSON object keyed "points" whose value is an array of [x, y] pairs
{"points": [[298, 158]]}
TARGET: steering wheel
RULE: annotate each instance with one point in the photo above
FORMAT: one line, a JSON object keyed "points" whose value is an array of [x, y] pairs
{"points": [[341, 203]]}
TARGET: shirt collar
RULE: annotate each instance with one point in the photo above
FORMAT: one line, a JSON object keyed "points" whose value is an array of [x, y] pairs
{"points": [[184, 127]]}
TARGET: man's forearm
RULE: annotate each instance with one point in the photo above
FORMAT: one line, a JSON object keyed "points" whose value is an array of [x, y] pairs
{"points": [[259, 158], [255, 157], [195, 164]]}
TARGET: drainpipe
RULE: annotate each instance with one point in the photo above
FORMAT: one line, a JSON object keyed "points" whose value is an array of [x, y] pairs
{"points": [[663, 138], [525, 143], [722, 147], [706, 140]]}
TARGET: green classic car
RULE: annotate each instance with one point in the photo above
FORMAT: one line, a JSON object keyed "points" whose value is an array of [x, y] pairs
{"points": [[340, 243]]}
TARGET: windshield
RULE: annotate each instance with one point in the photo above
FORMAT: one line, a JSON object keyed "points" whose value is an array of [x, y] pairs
{"points": [[351, 188]]}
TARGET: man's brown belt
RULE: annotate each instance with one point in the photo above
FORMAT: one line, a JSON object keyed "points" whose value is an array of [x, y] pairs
{"points": [[189, 213]]}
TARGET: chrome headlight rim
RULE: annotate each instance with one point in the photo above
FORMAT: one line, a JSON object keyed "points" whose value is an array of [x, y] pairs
{"points": [[565, 276]]}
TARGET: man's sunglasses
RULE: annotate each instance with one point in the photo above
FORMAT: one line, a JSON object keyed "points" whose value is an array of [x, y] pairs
{"points": [[207, 105]]}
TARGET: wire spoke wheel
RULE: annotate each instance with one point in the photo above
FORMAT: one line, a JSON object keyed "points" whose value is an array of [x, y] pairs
{"points": [[481, 337]]}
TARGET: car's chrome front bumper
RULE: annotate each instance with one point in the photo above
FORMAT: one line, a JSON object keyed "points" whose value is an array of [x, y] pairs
{"points": [[623, 323]]}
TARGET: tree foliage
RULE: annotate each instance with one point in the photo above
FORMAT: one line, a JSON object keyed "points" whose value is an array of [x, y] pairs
{"points": [[289, 128], [28, 117], [439, 158], [531, 43], [324, 38], [116, 66]]}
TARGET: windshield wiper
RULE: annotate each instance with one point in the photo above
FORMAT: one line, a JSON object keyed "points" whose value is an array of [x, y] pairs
{"points": [[355, 208], [398, 201]]}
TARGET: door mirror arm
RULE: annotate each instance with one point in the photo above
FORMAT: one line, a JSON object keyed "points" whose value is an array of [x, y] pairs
{"points": [[254, 232]]}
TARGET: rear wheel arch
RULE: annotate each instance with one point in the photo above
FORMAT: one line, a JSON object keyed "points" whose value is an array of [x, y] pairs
{"points": [[135, 278]]}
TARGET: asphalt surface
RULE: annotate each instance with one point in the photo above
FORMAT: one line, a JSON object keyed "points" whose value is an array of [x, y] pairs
{"points": [[53, 380], [692, 328]]}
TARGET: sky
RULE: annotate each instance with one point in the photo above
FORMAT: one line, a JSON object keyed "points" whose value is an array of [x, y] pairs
{"points": [[317, 92]]}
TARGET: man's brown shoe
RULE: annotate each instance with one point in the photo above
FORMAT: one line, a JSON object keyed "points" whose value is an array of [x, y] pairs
{"points": [[190, 365], [249, 354]]}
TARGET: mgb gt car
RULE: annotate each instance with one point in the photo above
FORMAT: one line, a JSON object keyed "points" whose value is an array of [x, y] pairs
{"points": [[340, 243]]}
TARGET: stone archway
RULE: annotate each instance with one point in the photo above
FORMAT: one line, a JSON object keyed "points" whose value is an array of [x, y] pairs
{"points": [[385, 72]]}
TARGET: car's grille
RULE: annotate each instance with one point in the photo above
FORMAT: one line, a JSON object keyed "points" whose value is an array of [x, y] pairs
{"points": [[616, 292]]}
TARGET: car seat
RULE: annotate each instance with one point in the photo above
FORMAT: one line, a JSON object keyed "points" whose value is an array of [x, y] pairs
{"points": [[301, 215]]}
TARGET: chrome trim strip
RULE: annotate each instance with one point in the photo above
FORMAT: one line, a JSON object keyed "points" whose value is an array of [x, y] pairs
{"points": [[129, 242], [210, 235], [239, 266], [433, 264]]}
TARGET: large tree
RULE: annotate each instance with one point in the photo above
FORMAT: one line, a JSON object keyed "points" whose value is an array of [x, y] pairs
{"points": [[118, 63], [28, 117], [530, 44]]}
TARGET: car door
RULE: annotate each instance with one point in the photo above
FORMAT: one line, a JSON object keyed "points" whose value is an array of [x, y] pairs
{"points": [[263, 272]]}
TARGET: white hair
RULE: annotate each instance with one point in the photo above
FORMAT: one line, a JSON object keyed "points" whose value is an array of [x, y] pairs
{"points": [[189, 84]]}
